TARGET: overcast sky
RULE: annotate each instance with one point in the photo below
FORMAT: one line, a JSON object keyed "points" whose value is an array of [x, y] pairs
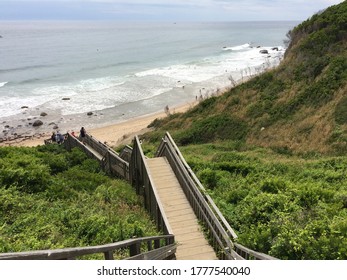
{"points": [[162, 10]]}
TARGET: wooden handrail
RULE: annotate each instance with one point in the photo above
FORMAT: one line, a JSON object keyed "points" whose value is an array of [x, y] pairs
{"points": [[110, 161], [157, 247], [249, 254], [143, 183]]}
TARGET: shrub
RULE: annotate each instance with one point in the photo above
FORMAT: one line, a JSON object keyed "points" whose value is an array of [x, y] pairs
{"points": [[25, 172], [47, 210], [209, 178], [212, 128], [341, 111], [76, 157], [273, 186], [236, 168]]}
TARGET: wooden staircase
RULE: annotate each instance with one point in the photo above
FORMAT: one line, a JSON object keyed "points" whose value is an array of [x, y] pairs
{"points": [[192, 244]]}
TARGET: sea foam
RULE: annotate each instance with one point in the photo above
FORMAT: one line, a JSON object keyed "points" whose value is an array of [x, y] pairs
{"points": [[3, 84]]}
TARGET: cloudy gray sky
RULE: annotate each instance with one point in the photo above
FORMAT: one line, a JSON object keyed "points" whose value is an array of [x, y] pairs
{"points": [[162, 10]]}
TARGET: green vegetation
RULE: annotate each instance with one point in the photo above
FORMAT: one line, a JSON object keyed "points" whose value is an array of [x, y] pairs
{"points": [[272, 152], [287, 206], [51, 198]]}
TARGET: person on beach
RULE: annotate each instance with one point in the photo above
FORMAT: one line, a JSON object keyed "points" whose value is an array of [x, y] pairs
{"points": [[59, 138], [53, 137], [82, 135], [62, 138], [167, 110]]}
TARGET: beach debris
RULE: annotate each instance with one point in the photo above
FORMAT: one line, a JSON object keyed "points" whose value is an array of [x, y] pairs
{"points": [[89, 113], [65, 98], [24, 107], [37, 123], [43, 114], [55, 126]]}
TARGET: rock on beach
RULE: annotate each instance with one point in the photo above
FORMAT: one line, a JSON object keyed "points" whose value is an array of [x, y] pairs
{"points": [[37, 123]]}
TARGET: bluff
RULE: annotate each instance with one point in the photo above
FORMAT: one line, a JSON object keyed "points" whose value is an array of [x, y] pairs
{"points": [[301, 106]]}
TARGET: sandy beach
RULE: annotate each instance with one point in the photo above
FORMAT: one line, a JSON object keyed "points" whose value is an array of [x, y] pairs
{"points": [[113, 135]]}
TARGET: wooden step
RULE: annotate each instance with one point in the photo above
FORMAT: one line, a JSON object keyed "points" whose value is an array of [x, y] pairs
{"points": [[188, 234]]}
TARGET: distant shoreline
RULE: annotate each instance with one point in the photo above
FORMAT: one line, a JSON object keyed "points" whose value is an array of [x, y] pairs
{"points": [[113, 135], [118, 133]]}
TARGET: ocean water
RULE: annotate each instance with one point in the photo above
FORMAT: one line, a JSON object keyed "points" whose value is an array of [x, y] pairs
{"points": [[122, 70]]}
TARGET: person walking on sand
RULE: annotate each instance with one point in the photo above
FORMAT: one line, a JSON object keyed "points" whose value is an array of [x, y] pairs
{"points": [[82, 135]]}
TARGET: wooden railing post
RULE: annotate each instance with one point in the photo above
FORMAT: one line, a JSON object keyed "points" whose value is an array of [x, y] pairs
{"points": [[156, 244], [108, 255], [135, 249]]}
